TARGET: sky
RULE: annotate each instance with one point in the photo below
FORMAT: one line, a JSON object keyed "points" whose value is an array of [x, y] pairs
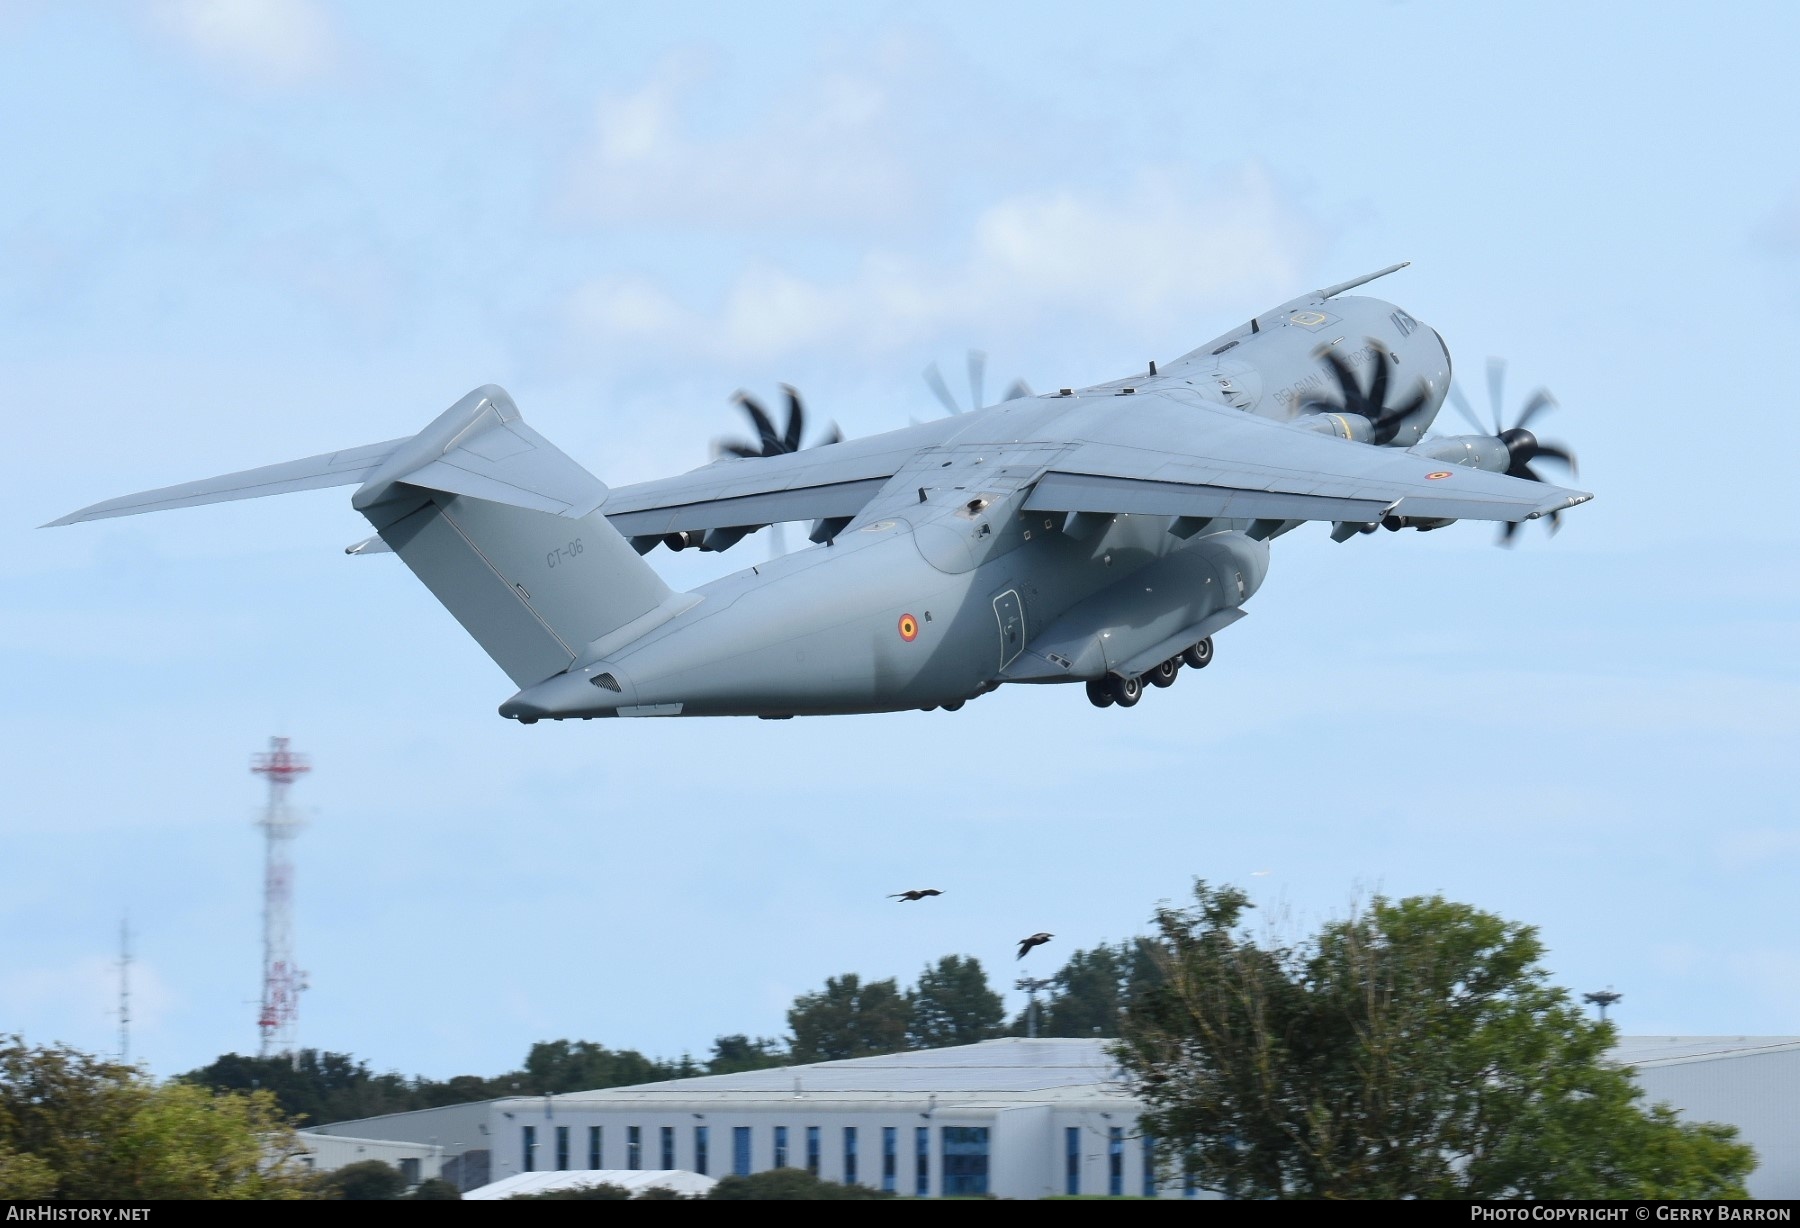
{"points": [[238, 233]]}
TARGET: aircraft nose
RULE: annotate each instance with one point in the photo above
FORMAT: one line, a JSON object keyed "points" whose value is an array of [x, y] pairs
{"points": [[1449, 369]]}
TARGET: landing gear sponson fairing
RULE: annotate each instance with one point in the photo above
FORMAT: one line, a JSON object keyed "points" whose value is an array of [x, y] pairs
{"points": [[1098, 535]]}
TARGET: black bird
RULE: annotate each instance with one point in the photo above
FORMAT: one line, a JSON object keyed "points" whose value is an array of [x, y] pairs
{"points": [[906, 896], [1036, 940]]}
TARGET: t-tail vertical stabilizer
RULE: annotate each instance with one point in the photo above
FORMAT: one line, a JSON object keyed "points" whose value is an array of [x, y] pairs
{"points": [[506, 531]]}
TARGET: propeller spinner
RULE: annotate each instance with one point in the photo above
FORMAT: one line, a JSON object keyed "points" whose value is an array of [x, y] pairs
{"points": [[1385, 421]]}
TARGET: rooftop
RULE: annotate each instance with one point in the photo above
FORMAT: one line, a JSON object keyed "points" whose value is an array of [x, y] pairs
{"points": [[995, 1070], [1668, 1050]]}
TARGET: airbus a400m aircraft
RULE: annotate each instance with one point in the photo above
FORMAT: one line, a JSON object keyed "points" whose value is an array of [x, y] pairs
{"points": [[1098, 535]]}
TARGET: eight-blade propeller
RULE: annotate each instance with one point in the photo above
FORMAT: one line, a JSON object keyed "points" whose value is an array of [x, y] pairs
{"points": [[1522, 446], [769, 442], [1386, 421]]}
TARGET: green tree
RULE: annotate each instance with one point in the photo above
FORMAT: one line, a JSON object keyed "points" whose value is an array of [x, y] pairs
{"points": [[363, 1181], [25, 1176], [556, 1066], [787, 1185], [93, 1129], [953, 1005], [738, 1052], [313, 1086], [1414, 1050], [848, 1019], [435, 1189]]}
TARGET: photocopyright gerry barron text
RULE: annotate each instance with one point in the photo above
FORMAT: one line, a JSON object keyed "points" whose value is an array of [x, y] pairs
{"points": [[1663, 1213]]}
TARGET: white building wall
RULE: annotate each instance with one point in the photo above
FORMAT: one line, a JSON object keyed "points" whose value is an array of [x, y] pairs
{"points": [[1759, 1093], [1026, 1143], [327, 1153], [1023, 1148]]}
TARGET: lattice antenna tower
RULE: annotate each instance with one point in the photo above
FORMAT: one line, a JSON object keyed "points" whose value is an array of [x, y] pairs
{"points": [[282, 982], [125, 991]]}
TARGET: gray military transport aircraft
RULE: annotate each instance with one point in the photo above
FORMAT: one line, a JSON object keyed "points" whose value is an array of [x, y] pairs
{"points": [[1098, 535]]}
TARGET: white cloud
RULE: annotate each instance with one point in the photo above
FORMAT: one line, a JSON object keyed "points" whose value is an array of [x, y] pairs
{"points": [[1160, 247], [822, 153], [280, 42]]}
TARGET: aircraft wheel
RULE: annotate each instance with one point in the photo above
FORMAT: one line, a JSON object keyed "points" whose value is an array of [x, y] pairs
{"points": [[1164, 674], [954, 705], [1099, 694], [1126, 691], [1200, 655]]}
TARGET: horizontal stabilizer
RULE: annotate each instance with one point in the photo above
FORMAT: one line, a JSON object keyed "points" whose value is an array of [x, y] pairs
{"points": [[370, 545], [344, 468], [481, 448]]}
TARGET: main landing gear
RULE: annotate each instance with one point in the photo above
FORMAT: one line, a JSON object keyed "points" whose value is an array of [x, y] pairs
{"points": [[1125, 692]]}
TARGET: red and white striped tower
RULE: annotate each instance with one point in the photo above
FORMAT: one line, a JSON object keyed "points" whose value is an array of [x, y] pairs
{"points": [[282, 979]]}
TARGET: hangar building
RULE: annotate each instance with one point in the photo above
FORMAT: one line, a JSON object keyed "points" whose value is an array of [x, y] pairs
{"points": [[1015, 1118]]}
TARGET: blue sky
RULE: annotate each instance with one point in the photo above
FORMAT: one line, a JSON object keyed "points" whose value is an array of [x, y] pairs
{"points": [[235, 234]]}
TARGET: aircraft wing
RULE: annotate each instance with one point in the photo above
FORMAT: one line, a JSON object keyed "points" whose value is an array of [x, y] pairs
{"points": [[1181, 457], [813, 484]]}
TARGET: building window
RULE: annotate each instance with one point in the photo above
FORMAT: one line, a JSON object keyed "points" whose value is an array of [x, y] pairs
{"points": [[634, 1146], [1072, 1160], [849, 1155], [1115, 1161], [740, 1151], [1149, 1167], [812, 1150], [700, 1150], [409, 1171], [965, 1160], [780, 1146], [593, 1146], [922, 1161], [668, 1147], [530, 1140], [890, 1157], [562, 1148]]}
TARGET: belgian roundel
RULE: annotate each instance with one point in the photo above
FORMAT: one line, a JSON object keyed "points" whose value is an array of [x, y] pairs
{"points": [[909, 628]]}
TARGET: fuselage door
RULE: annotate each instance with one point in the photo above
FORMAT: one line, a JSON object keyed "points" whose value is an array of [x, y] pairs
{"points": [[1012, 626]]}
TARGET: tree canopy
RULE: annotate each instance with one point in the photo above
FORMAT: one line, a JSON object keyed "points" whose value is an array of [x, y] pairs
{"points": [[952, 1005], [77, 1126], [739, 1052], [848, 1019], [1413, 1050], [788, 1185], [318, 1087]]}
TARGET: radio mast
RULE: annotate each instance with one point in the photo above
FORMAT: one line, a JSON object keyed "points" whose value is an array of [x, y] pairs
{"points": [[125, 992], [282, 978]]}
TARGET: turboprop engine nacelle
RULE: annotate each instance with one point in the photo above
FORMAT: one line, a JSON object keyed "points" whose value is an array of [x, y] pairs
{"points": [[1151, 615]]}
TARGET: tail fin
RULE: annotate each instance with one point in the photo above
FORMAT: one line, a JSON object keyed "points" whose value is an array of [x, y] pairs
{"points": [[500, 525], [505, 531]]}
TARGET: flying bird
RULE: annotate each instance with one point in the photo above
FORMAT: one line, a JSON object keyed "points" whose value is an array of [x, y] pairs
{"points": [[1036, 940], [906, 896]]}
